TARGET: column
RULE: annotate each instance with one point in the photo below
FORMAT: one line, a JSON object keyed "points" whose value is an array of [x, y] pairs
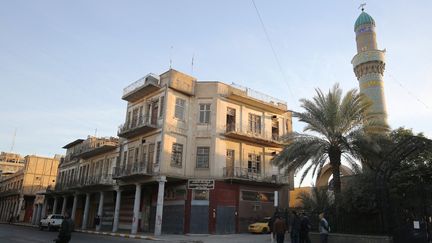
{"points": [[64, 205], [54, 210], [44, 206], [1, 210], [74, 206], [136, 209], [86, 209], [20, 202], [159, 206], [33, 220], [100, 210], [117, 211], [38, 213]]}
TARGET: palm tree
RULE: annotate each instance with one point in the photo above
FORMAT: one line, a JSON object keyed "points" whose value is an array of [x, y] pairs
{"points": [[336, 125], [317, 200]]}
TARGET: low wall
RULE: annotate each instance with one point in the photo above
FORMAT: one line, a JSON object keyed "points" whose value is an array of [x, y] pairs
{"points": [[343, 238]]}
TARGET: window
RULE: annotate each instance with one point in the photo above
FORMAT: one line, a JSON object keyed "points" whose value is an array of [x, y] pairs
{"points": [[158, 151], [179, 108], [202, 160], [201, 195], [204, 113], [254, 163], [177, 154], [161, 108], [254, 123]]}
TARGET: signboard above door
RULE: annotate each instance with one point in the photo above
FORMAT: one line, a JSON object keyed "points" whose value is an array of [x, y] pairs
{"points": [[201, 184]]}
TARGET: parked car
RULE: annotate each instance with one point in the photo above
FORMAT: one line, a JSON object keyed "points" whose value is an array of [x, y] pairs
{"points": [[261, 226], [52, 221]]}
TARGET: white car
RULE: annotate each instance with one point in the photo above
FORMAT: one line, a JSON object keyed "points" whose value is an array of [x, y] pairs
{"points": [[52, 221]]}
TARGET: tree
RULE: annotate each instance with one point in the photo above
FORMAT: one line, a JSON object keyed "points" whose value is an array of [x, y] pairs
{"points": [[318, 200], [336, 124]]}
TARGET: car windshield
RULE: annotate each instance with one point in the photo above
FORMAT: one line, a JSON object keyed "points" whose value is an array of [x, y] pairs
{"points": [[264, 220]]}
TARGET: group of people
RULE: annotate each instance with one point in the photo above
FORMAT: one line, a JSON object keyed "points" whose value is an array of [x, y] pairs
{"points": [[298, 226]]}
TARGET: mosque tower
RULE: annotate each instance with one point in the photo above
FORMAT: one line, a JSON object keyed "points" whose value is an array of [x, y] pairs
{"points": [[369, 65]]}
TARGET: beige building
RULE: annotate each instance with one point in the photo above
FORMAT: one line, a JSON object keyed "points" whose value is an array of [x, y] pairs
{"points": [[10, 163], [18, 190], [193, 157]]}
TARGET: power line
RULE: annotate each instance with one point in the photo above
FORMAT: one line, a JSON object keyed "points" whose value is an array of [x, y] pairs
{"points": [[409, 92], [272, 48]]}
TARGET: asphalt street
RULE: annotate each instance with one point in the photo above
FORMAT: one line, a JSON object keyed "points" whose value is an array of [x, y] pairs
{"points": [[21, 234], [14, 233]]}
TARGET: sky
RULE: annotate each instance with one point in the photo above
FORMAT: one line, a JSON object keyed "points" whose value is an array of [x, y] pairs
{"points": [[64, 64]]}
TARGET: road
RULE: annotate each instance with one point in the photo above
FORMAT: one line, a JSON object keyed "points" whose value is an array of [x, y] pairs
{"points": [[21, 234]]}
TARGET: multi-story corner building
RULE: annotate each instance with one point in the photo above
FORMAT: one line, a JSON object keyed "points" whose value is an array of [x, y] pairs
{"points": [[10, 163], [193, 157], [86, 169], [18, 190]]}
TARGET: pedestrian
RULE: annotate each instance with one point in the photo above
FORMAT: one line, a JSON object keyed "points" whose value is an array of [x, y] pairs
{"points": [[97, 221], [279, 228], [324, 228], [305, 227], [66, 228], [270, 224], [11, 218], [295, 228]]}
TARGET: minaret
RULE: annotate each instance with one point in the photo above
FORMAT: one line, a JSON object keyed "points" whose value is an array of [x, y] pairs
{"points": [[369, 64]]}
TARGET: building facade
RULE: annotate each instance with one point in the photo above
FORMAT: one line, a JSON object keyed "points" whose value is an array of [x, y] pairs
{"points": [[193, 157], [10, 163], [18, 191]]}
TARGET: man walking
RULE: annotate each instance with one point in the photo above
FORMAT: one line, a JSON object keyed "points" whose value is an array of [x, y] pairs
{"points": [[279, 228], [295, 228], [66, 229], [304, 229], [324, 229]]}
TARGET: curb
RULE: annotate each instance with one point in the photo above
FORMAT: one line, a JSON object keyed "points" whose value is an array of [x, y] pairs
{"points": [[123, 235]]}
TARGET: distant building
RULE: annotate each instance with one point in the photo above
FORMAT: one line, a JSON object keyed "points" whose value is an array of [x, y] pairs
{"points": [[193, 157], [10, 163], [18, 190]]}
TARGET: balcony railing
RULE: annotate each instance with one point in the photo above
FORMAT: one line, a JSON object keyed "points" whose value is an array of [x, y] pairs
{"points": [[260, 137], [141, 88], [142, 124], [253, 175], [138, 168]]}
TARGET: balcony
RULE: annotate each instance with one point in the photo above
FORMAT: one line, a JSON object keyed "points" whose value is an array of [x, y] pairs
{"points": [[10, 192], [99, 149], [246, 175], [141, 88], [233, 131], [97, 180], [141, 125], [133, 170], [256, 99]]}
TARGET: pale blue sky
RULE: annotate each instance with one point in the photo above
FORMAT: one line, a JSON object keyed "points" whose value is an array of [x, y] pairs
{"points": [[63, 64]]}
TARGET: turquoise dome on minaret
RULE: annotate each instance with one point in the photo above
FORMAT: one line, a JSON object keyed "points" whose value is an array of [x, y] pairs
{"points": [[362, 19]]}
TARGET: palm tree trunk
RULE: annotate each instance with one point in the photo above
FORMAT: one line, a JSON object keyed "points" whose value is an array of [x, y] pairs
{"points": [[335, 162]]}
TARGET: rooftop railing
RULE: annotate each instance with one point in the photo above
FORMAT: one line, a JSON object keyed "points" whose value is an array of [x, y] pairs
{"points": [[258, 95], [149, 78]]}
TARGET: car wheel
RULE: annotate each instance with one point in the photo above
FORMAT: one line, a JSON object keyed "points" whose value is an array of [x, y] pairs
{"points": [[264, 231]]}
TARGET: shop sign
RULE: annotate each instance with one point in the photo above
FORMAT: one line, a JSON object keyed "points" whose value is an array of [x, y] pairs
{"points": [[201, 184]]}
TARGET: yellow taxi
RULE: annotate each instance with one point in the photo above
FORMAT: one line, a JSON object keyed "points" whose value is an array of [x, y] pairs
{"points": [[262, 226]]}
